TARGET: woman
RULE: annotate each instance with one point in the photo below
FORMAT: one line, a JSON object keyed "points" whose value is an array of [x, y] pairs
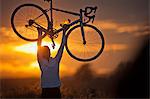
{"points": [[50, 80]]}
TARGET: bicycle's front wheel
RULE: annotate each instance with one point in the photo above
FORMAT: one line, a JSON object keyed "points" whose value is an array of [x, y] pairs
{"points": [[20, 21], [84, 52]]}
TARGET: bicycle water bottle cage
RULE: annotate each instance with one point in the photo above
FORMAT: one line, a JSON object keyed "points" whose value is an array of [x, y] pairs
{"points": [[89, 12]]}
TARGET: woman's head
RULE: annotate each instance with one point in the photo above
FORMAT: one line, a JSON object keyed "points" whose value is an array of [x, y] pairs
{"points": [[45, 52]]}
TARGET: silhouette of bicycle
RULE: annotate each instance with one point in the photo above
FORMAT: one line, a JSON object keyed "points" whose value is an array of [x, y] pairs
{"points": [[84, 42]]}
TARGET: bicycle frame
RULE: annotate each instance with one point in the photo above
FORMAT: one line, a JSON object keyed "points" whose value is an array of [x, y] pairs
{"points": [[59, 10], [59, 30], [80, 20]]}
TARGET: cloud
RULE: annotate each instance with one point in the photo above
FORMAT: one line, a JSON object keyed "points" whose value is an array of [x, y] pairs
{"points": [[9, 71], [8, 53], [116, 47], [18, 64], [31, 48], [134, 29], [15, 64], [7, 36], [17, 61]]}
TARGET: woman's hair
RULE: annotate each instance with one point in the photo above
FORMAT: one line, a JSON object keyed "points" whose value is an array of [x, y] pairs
{"points": [[45, 51]]}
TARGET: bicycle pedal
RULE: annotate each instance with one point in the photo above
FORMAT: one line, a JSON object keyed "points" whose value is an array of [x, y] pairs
{"points": [[69, 20], [53, 46]]}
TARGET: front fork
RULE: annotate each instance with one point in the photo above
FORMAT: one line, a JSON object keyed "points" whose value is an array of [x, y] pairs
{"points": [[53, 45], [82, 29]]}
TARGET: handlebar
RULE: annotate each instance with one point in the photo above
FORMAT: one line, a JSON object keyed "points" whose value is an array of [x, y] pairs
{"points": [[88, 11]]}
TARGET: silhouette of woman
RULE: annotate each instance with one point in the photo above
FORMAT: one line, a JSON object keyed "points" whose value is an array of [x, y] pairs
{"points": [[50, 80]]}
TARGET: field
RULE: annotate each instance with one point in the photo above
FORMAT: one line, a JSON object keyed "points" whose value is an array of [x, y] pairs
{"points": [[82, 85], [23, 88]]}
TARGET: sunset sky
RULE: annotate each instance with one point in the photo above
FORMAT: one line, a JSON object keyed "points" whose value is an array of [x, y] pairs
{"points": [[123, 23]]}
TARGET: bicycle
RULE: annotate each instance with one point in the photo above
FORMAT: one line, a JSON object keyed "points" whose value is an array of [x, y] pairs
{"points": [[87, 42]]}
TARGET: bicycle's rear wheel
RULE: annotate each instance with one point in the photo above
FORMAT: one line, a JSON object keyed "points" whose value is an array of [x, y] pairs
{"points": [[94, 43], [20, 19]]}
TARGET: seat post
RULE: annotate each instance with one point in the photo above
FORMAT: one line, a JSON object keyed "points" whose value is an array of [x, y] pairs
{"points": [[51, 12]]}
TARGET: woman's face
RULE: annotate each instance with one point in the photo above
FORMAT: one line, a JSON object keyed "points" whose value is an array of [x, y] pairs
{"points": [[45, 52]]}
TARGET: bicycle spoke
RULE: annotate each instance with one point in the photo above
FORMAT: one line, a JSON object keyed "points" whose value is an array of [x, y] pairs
{"points": [[38, 16], [32, 29], [20, 21], [23, 15], [87, 51], [93, 45]]}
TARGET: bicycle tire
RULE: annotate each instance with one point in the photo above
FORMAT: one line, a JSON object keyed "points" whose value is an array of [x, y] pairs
{"points": [[14, 27], [90, 58]]}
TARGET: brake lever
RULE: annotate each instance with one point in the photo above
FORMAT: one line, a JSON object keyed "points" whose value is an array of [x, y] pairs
{"points": [[94, 13], [93, 18]]}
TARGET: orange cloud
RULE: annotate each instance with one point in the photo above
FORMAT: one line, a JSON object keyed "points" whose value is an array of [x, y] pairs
{"points": [[19, 56], [116, 47], [7, 70], [31, 48], [135, 29], [20, 63]]}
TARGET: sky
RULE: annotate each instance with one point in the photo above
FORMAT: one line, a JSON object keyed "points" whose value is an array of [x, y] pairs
{"points": [[122, 22]]}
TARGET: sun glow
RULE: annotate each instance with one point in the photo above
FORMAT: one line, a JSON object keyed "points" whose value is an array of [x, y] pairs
{"points": [[31, 48], [34, 65]]}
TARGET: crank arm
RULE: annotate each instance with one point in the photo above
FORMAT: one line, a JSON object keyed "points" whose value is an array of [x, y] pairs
{"points": [[53, 45]]}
